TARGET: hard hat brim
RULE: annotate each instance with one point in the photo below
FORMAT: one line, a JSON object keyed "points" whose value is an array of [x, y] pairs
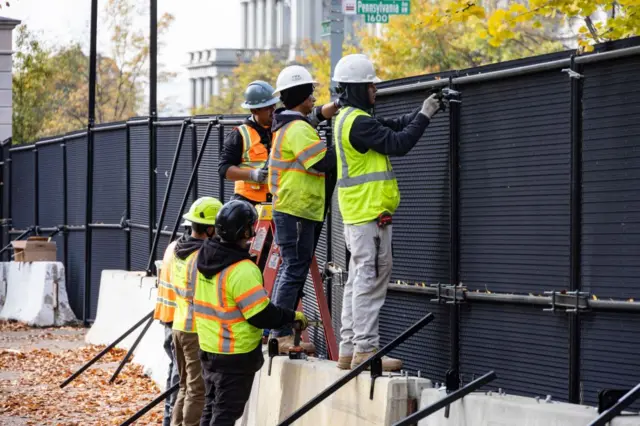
{"points": [[194, 219], [364, 80], [260, 105], [289, 86]]}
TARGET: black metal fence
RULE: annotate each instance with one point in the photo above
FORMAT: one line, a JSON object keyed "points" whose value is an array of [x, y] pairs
{"points": [[532, 185]]}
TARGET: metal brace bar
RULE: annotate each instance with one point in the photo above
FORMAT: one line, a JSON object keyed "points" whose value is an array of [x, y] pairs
{"points": [[450, 294]]}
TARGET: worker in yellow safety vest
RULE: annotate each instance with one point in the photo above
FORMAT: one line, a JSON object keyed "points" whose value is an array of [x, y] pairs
{"points": [[245, 151], [368, 196], [164, 312], [298, 164], [231, 309], [190, 400]]}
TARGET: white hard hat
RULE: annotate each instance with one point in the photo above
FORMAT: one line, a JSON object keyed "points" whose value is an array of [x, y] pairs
{"points": [[291, 76], [186, 223], [356, 68]]}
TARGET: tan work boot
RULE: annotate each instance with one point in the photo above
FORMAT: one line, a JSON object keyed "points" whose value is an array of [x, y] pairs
{"points": [[285, 342], [344, 362], [388, 364]]}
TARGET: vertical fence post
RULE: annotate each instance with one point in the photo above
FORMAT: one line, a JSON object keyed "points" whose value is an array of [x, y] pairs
{"points": [[89, 187], [65, 213], [127, 215], [220, 145], [194, 156], [8, 161], [153, 114], [36, 194], [329, 194], [453, 375], [576, 224]]}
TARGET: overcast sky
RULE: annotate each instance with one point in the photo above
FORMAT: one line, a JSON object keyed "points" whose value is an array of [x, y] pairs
{"points": [[198, 24]]}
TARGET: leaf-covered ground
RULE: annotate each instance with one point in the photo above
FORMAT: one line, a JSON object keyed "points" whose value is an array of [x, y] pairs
{"points": [[35, 361]]}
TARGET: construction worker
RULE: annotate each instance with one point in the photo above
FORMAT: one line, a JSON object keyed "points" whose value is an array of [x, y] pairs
{"points": [[298, 163], [246, 148], [164, 312], [232, 308], [368, 196], [190, 400]]}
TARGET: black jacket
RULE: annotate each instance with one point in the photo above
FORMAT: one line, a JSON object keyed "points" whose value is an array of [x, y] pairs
{"points": [[328, 162], [393, 137], [232, 148], [215, 256]]}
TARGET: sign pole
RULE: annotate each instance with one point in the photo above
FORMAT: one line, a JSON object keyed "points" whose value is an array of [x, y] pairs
{"points": [[336, 40]]}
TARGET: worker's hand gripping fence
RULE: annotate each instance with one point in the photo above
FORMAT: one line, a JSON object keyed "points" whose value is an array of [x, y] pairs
{"points": [[356, 371]]}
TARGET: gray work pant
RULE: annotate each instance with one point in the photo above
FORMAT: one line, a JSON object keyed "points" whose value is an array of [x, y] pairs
{"points": [[364, 293]]}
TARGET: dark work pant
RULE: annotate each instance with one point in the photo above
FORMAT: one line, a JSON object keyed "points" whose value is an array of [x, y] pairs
{"points": [[226, 395], [172, 378], [297, 238]]}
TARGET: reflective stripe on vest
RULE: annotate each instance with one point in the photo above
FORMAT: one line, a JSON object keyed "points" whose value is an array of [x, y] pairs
{"points": [[221, 324], [184, 274], [366, 183], [254, 156], [307, 187], [166, 296]]}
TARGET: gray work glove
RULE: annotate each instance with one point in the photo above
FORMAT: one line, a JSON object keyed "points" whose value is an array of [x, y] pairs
{"points": [[259, 175], [431, 106]]}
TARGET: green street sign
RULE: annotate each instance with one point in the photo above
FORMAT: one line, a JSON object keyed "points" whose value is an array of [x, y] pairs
{"points": [[326, 28], [383, 7]]}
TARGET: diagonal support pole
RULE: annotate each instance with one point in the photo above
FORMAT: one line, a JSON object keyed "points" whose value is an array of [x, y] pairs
{"points": [[617, 408], [107, 349], [150, 405], [130, 351]]}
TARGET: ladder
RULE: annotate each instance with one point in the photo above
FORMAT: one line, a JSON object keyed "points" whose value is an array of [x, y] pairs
{"points": [[267, 257]]}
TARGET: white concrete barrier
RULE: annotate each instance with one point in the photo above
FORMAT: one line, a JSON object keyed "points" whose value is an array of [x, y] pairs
{"points": [[35, 293], [124, 299], [480, 409], [294, 382]]}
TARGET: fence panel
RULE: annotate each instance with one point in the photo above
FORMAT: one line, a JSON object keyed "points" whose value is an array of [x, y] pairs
{"points": [[208, 179], [166, 146], [139, 249], [23, 188], [110, 176], [139, 188], [228, 185], [75, 271], [107, 252], [6, 196], [610, 222], [50, 180], [76, 150], [514, 226]]}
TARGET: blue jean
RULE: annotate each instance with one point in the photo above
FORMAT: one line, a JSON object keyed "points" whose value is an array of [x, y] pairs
{"points": [[172, 378], [297, 238]]}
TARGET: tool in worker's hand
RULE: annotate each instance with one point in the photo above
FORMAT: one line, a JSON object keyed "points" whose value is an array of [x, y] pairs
{"points": [[274, 350], [296, 351], [446, 95]]}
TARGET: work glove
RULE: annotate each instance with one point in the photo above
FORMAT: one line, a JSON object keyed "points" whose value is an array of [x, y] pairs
{"points": [[431, 106], [259, 175], [302, 319]]}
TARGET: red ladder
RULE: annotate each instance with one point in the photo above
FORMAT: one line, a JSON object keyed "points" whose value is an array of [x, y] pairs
{"points": [[268, 259]]}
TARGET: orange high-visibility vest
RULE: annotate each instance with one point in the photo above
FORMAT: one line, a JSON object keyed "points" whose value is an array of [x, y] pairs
{"points": [[254, 156], [166, 299]]}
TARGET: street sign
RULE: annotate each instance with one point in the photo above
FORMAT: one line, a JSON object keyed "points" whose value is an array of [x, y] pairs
{"points": [[326, 28], [383, 7], [376, 18], [349, 7]]}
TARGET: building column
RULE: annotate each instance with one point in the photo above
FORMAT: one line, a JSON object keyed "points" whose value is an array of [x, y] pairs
{"points": [[251, 25], [203, 91], [295, 28], [245, 17], [318, 17], [193, 92], [215, 86], [260, 24], [270, 16], [280, 24]]}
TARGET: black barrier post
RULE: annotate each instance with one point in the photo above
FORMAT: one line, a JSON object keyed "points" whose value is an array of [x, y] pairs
{"points": [[107, 349], [128, 201], [167, 192], [626, 400], [89, 186], [576, 228], [356, 371], [192, 178], [220, 145], [447, 400], [65, 210], [453, 375], [153, 113], [150, 405], [130, 351]]}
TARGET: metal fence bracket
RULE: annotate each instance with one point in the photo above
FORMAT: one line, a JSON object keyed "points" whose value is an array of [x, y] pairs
{"points": [[376, 371], [450, 294], [573, 301], [572, 73]]}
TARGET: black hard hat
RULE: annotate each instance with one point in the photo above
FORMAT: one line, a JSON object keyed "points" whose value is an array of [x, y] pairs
{"points": [[236, 220]]}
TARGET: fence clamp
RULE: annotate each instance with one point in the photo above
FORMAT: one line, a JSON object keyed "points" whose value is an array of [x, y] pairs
{"points": [[450, 294], [573, 301], [572, 73]]}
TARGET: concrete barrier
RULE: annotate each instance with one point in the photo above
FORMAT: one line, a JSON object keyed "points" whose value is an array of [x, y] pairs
{"points": [[124, 299], [294, 382], [35, 293], [480, 409]]}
